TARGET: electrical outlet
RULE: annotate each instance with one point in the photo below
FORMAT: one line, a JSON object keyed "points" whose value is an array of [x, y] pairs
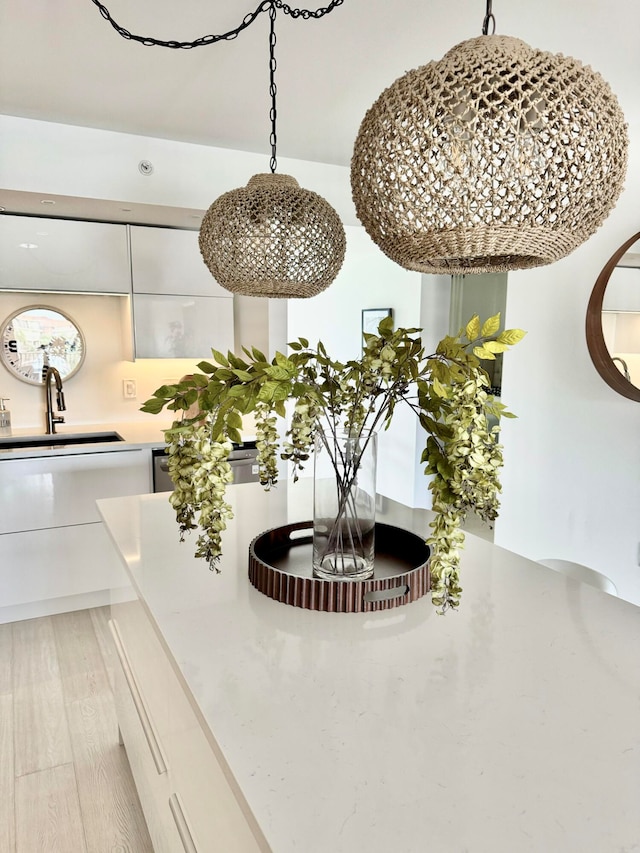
{"points": [[129, 389]]}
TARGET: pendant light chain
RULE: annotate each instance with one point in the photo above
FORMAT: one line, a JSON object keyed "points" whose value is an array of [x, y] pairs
{"points": [[266, 5], [488, 19], [273, 138]]}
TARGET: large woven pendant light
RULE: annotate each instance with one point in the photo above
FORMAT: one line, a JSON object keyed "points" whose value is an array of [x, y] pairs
{"points": [[272, 237], [497, 157]]}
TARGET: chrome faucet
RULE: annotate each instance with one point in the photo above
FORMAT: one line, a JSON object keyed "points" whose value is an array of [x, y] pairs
{"points": [[625, 369], [52, 419]]}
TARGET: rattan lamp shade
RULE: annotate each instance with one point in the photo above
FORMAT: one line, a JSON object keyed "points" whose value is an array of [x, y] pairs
{"points": [[498, 157], [273, 238]]}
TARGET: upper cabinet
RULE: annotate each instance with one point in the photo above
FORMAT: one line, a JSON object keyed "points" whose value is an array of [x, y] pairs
{"points": [[179, 309], [63, 255], [168, 261]]}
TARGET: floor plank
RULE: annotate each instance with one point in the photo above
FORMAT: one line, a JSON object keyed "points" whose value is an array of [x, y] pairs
{"points": [[100, 618], [111, 812], [41, 738], [7, 785], [48, 813], [6, 654], [80, 658]]}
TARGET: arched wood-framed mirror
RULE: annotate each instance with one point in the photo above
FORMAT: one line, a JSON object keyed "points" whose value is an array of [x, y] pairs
{"points": [[618, 378]]}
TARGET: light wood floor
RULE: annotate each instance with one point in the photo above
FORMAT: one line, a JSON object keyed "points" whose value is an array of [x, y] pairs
{"points": [[65, 783]]}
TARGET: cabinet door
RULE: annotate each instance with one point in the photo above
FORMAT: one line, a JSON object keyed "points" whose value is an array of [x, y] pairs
{"points": [[54, 491], [168, 261], [181, 326], [63, 255]]}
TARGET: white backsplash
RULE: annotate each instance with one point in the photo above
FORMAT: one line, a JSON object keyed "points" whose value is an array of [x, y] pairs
{"points": [[95, 394]]}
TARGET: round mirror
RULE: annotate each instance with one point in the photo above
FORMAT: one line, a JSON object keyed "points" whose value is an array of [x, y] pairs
{"points": [[613, 320], [38, 337]]}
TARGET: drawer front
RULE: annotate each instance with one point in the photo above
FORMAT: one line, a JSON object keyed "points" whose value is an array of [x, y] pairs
{"points": [[58, 490], [203, 808], [43, 564], [138, 731]]}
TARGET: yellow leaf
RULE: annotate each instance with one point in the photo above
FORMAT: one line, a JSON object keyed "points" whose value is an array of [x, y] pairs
{"points": [[495, 346], [491, 326], [483, 353], [511, 336], [439, 389], [473, 328]]}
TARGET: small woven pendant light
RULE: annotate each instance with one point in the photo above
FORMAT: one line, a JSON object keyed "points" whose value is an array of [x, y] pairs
{"points": [[272, 238], [497, 157]]}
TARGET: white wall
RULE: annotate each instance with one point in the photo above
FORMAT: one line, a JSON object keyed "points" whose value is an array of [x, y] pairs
{"points": [[572, 459], [45, 157], [368, 279]]}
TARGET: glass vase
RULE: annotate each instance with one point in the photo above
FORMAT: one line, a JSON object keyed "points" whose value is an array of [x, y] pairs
{"points": [[344, 505]]}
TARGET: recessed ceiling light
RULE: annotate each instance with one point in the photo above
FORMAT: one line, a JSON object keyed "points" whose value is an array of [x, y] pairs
{"points": [[125, 209], [47, 201], [27, 245]]}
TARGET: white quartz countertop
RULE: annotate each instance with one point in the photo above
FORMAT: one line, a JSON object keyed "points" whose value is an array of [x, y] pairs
{"points": [[512, 725]]}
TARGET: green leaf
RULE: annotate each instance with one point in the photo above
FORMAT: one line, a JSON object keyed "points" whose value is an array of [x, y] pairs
{"points": [[277, 372], [153, 406], [233, 419], [259, 356], [268, 390], [285, 363], [294, 345], [304, 342], [243, 375], [490, 326], [472, 330], [280, 408], [237, 391], [219, 357], [200, 380], [234, 435], [511, 336], [206, 367]]}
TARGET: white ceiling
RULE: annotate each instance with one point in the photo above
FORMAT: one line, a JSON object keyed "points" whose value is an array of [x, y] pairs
{"points": [[61, 61]]}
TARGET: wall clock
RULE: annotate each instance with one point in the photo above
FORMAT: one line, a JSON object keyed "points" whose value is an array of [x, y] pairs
{"points": [[37, 337]]}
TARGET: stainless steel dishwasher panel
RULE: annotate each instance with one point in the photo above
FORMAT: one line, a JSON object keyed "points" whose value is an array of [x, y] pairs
{"points": [[243, 461]]}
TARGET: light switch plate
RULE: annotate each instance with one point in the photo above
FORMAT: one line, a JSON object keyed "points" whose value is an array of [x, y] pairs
{"points": [[129, 389]]}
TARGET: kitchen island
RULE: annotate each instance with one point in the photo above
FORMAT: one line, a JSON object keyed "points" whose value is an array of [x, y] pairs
{"points": [[511, 725]]}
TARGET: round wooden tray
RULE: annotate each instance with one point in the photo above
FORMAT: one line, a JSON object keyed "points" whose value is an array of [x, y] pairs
{"points": [[280, 567]]}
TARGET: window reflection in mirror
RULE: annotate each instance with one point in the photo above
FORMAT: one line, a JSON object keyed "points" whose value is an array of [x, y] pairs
{"points": [[37, 337]]}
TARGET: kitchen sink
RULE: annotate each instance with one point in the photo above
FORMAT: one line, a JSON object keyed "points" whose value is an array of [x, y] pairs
{"points": [[57, 440]]}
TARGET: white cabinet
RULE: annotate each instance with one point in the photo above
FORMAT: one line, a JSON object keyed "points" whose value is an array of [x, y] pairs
{"points": [[168, 260], [63, 255], [54, 553], [179, 309], [183, 783], [181, 326]]}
